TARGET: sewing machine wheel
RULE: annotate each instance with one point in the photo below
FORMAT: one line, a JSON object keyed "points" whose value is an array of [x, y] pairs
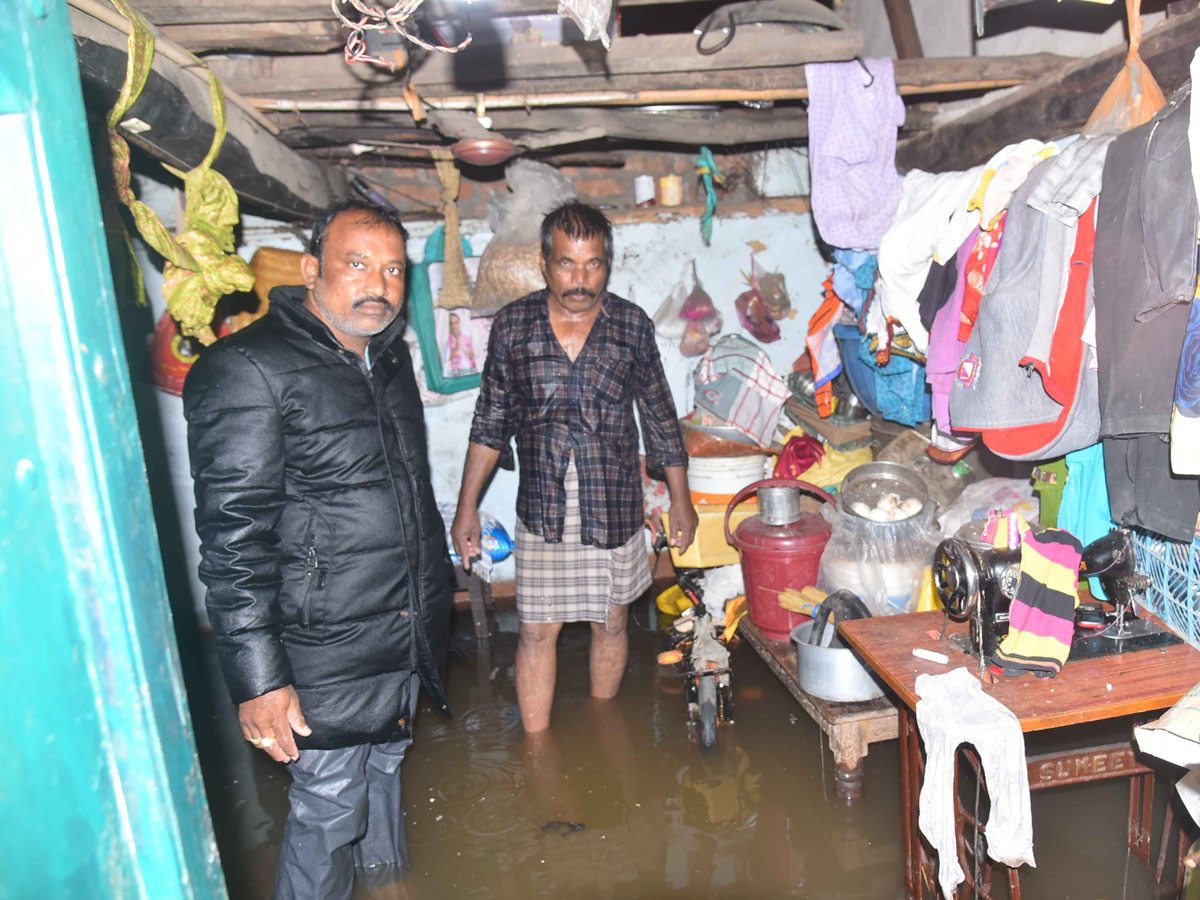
{"points": [[956, 578]]}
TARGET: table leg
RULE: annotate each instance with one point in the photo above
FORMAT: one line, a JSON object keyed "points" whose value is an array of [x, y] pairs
{"points": [[848, 746], [909, 791], [848, 781], [1141, 810]]}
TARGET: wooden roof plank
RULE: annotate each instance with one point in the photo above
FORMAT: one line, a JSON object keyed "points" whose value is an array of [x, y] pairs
{"points": [[221, 12], [1056, 104], [482, 67]]}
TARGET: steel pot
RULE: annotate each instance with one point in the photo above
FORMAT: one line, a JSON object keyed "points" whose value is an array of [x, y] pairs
{"points": [[831, 672]]}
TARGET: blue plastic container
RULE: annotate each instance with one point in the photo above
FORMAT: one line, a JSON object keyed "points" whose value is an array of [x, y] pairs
{"points": [[861, 375]]}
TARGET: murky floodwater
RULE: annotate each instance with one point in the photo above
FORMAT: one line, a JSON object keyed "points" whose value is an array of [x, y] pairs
{"points": [[492, 812]]}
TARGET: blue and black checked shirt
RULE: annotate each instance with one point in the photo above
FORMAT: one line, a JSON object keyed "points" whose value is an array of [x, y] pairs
{"points": [[531, 389]]}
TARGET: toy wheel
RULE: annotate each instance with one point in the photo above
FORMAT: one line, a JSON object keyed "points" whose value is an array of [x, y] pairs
{"points": [[708, 712]]}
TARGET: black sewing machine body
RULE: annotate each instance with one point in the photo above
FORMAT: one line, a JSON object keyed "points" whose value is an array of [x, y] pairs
{"points": [[979, 585]]}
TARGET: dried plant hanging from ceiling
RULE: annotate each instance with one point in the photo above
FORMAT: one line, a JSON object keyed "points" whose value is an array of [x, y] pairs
{"points": [[375, 18], [456, 284], [201, 266]]}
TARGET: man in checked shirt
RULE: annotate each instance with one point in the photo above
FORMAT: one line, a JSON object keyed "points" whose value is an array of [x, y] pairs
{"points": [[564, 368]]}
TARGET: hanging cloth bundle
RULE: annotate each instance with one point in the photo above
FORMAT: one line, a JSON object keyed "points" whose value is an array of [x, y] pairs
{"points": [[1134, 96], [456, 284], [200, 264]]}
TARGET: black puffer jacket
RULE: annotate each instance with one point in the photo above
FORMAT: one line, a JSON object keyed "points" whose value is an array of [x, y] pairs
{"points": [[321, 544]]}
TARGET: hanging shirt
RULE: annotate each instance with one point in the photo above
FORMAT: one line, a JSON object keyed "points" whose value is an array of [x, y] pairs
{"points": [[1145, 280], [945, 349], [980, 262], [853, 276], [1185, 418], [930, 225], [853, 117]]}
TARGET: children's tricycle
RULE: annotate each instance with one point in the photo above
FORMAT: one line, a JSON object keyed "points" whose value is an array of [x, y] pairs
{"points": [[699, 646]]}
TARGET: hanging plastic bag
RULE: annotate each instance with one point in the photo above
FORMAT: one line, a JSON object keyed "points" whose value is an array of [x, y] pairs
{"points": [[698, 304], [698, 334], [591, 16], [702, 322], [754, 312], [773, 287], [882, 562], [668, 321], [1134, 96], [511, 266]]}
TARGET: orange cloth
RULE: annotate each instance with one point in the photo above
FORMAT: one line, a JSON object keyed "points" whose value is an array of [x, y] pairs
{"points": [[820, 328]]}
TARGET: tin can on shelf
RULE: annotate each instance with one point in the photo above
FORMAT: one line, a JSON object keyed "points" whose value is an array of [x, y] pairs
{"points": [[670, 190]]}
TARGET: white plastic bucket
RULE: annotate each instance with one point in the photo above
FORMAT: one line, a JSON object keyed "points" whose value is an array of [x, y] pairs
{"points": [[716, 479]]}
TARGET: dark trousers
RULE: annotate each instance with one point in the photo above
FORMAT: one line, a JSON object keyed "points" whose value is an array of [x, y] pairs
{"points": [[345, 814]]}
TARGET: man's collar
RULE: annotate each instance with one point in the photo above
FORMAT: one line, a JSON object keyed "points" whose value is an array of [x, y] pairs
{"points": [[546, 296]]}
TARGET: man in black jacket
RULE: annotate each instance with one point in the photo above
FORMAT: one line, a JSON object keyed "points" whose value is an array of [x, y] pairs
{"points": [[321, 544]]}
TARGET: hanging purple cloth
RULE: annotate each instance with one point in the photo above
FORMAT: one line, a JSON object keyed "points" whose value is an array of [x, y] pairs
{"points": [[852, 150]]}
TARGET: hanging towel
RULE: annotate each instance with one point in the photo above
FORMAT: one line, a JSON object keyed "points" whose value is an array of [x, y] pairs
{"points": [[1041, 620], [736, 384], [1084, 509], [952, 710]]}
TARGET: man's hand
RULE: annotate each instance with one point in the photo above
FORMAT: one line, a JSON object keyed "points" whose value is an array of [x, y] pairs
{"points": [[268, 722], [684, 520], [466, 534]]}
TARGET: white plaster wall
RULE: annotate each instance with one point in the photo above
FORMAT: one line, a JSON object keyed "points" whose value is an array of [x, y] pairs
{"points": [[648, 260], [1070, 28]]}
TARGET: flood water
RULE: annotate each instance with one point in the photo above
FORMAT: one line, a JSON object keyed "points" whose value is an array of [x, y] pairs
{"points": [[490, 811]]}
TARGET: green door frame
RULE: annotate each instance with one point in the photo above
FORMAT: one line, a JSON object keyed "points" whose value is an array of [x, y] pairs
{"points": [[100, 788]]}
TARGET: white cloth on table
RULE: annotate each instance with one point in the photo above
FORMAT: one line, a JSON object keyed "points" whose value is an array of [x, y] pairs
{"points": [[952, 710]]}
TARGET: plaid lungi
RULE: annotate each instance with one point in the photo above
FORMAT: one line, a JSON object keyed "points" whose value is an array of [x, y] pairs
{"points": [[575, 582]]}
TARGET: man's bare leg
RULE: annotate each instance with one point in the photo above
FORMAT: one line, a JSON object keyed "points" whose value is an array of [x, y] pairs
{"points": [[610, 651], [537, 667]]}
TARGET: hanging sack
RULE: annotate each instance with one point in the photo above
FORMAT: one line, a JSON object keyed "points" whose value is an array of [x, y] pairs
{"points": [[511, 266], [1134, 96]]}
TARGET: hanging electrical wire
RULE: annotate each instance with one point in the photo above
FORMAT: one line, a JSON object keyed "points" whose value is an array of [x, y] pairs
{"points": [[375, 18]]}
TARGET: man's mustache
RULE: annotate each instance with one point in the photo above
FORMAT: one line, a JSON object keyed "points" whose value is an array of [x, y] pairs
{"points": [[579, 292], [371, 298]]}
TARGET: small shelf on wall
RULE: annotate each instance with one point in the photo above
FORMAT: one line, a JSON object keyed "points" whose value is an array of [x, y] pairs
{"points": [[799, 205]]}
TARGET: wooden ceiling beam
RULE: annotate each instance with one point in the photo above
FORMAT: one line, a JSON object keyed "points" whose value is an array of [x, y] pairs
{"points": [[914, 77], [481, 67], [176, 107], [301, 36], [224, 12], [1055, 104]]}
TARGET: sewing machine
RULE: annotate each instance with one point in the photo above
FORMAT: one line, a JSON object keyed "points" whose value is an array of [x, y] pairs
{"points": [[979, 584]]}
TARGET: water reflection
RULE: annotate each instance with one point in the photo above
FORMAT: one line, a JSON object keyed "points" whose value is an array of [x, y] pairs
{"points": [[660, 818]]}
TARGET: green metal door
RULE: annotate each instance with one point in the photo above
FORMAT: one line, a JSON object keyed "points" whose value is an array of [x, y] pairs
{"points": [[100, 789]]}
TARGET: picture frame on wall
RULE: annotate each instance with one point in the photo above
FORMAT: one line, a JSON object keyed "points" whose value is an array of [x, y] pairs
{"points": [[453, 342]]}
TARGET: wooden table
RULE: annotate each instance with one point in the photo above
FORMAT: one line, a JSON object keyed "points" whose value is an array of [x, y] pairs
{"points": [[850, 727], [1084, 691]]}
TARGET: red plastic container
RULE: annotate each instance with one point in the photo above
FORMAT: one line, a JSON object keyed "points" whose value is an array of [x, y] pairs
{"points": [[775, 557]]}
